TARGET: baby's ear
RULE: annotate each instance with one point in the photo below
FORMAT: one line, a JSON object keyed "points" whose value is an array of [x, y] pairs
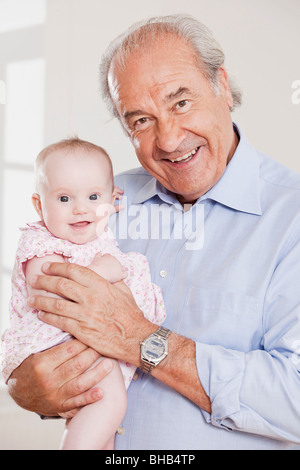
{"points": [[36, 201]]}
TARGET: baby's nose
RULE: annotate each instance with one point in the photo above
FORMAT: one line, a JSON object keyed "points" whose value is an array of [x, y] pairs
{"points": [[79, 209]]}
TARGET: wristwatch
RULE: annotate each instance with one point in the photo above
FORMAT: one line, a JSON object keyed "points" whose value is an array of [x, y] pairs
{"points": [[154, 349]]}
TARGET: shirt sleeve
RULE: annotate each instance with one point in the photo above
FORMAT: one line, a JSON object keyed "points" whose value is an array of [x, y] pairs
{"points": [[258, 391]]}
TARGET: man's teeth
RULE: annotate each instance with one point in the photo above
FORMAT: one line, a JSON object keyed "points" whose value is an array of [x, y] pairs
{"points": [[186, 156]]}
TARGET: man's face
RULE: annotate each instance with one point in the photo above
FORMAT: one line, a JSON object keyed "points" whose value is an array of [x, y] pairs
{"points": [[181, 130]]}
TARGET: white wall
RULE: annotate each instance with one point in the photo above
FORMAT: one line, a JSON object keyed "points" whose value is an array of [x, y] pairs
{"points": [[23, 430], [261, 42], [260, 39]]}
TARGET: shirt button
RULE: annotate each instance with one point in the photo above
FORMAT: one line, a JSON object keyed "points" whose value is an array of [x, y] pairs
{"points": [[121, 430], [135, 376], [163, 273]]}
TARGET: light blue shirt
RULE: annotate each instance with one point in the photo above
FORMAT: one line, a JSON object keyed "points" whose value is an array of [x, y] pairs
{"points": [[229, 270]]}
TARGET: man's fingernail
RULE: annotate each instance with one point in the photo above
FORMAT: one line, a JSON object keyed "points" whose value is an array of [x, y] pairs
{"points": [[97, 394], [33, 279], [46, 266], [107, 364], [30, 301]]}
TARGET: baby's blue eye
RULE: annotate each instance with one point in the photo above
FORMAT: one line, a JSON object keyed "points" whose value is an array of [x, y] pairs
{"points": [[64, 198], [93, 197]]}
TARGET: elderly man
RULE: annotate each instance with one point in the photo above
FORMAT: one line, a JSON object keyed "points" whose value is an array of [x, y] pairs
{"points": [[228, 267]]}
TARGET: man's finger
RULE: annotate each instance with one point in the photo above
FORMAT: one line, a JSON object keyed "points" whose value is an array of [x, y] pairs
{"points": [[61, 308], [79, 274], [62, 355], [85, 398], [83, 390], [69, 414], [61, 322], [57, 285], [78, 363]]}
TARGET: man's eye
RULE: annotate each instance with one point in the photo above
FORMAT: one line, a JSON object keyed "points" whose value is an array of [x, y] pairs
{"points": [[94, 197], [140, 122], [64, 199], [182, 104]]}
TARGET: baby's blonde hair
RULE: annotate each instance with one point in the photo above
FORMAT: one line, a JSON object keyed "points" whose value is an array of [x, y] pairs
{"points": [[70, 144]]}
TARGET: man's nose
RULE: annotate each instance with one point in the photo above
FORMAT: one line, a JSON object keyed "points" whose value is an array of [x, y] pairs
{"points": [[169, 135]]}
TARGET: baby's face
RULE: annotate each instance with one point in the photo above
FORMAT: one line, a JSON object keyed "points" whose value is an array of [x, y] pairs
{"points": [[76, 194]]}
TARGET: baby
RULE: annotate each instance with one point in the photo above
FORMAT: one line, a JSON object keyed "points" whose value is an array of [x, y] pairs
{"points": [[74, 198]]}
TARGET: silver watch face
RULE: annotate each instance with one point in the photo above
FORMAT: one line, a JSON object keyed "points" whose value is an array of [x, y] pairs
{"points": [[153, 349]]}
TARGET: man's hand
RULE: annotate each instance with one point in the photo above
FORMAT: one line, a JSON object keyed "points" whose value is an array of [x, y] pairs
{"points": [[102, 315], [105, 317], [57, 381]]}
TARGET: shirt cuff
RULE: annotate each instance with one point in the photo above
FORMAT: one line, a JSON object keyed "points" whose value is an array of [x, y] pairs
{"points": [[221, 373], [48, 417]]}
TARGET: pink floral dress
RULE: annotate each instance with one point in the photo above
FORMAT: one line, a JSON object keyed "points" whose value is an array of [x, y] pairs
{"points": [[27, 334]]}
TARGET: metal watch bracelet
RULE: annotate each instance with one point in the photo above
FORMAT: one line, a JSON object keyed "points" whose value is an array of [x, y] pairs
{"points": [[147, 366]]}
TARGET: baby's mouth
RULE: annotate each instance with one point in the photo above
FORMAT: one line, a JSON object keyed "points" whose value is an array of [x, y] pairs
{"points": [[82, 224]]}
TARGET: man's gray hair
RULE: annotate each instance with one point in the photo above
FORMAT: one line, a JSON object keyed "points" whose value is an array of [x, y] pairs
{"points": [[208, 53]]}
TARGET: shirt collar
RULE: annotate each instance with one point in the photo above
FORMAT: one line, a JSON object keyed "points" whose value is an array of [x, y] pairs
{"points": [[238, 188], [154, 188]]}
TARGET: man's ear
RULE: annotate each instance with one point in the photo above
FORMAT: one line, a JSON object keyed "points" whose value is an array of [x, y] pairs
{"points": [[36, 201], [224, 84]]}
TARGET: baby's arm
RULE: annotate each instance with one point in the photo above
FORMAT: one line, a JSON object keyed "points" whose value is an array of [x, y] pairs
{"points": [[106, 266], [34, 267]]}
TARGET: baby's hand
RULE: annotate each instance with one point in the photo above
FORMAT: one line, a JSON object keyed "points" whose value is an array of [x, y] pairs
{"points": [[108, 267], [117, 194]]}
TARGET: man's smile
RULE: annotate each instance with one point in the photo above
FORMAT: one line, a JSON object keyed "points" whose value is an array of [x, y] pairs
{"points": [[185, 158]]}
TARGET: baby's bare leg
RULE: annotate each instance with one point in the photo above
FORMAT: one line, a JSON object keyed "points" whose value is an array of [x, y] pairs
{"points": [[95, 425]]}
